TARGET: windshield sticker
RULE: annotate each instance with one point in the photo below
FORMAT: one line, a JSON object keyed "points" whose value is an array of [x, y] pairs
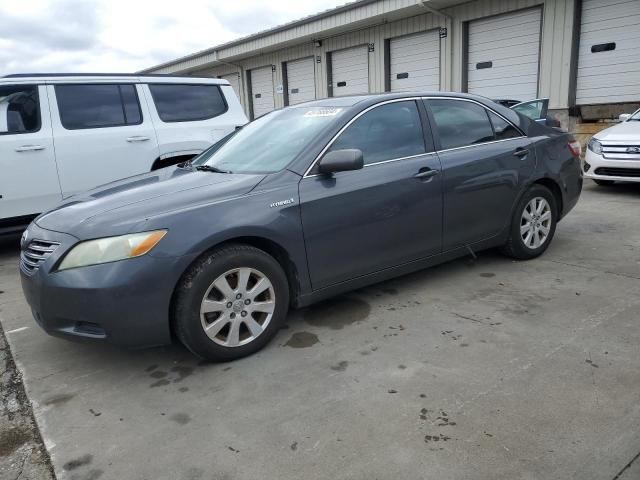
{"points": [[323, 112]]}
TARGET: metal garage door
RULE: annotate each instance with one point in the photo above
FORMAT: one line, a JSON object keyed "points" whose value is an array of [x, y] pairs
{"points": [[262, 96], [503, 55], [234, 81], [301, 80], [414, 62], [608, 60], [350, 71]]}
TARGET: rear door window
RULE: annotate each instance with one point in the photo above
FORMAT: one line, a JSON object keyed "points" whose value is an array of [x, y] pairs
{"points": [[19, 109], [98, 106], [387, 132], [503, 129], [460, 123], [186, 102]]}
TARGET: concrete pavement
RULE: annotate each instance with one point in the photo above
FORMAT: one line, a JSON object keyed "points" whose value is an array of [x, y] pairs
{"points": [[489, 369]]}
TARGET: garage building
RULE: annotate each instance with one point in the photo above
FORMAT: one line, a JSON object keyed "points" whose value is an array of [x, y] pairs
{"points": [[578, 53]]}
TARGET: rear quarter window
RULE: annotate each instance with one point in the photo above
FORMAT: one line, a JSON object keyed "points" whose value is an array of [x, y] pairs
{"points": [[187, 103]]}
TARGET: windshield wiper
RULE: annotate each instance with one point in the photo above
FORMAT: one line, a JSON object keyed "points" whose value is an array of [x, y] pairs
{"points": [[209, 168]]}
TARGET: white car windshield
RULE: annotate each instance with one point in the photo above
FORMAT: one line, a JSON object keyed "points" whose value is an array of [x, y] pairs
{"points": [[269, 143], [635, 117]]}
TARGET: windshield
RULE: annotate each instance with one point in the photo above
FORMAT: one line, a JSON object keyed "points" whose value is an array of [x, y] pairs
{"points": [[635, 117], [270, 143]]}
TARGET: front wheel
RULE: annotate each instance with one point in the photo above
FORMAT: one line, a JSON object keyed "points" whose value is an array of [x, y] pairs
{"points": [[533, 224], [231, 303]]}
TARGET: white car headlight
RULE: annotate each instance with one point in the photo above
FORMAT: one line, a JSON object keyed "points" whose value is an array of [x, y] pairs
{"points": [[111, 249], [595, 146]]}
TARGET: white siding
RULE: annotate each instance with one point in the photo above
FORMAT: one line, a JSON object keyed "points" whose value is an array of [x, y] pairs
{"points": [[609, 76], [414, 62], [301, 81], [262, 94], [234, 81], [509, 46], [350, 71]]}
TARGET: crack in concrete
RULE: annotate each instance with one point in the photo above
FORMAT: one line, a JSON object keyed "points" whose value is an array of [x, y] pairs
{"points": [[627, 466]]}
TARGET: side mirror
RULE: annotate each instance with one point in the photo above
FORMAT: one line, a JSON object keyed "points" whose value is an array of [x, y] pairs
{"points": [[624, 117], [341, 161]]}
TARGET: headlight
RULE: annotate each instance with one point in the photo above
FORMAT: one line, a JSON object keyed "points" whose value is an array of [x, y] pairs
{"points": [[111, 249], [595, 146]]}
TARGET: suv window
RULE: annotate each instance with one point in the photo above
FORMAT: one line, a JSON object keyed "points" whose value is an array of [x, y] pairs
{"points": [[502, 128], [390, 131], [460, 123], [185, 103], [98, 106], [19, 109]]}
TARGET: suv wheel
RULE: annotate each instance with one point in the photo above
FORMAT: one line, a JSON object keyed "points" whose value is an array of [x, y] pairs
{"points": [[533, 224], [231, 303]]}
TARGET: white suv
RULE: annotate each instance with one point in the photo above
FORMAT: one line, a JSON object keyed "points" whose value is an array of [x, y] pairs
{"points": [[614, 154], [63, 134]]}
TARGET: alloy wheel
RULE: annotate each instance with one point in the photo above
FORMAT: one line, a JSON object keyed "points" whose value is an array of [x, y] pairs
{"points": [[535, 223], [237, 307]]}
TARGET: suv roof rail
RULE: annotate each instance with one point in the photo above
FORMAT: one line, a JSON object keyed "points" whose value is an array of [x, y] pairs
{"points": [[37, 75]]}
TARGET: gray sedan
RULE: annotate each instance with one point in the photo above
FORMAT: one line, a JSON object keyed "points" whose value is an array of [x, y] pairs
{"points": [[300, 205]]}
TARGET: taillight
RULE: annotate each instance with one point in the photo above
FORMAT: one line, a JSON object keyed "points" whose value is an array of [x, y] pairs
{"points": [[575, 148]]}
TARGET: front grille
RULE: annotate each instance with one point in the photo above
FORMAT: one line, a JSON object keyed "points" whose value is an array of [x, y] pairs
{"points": [[621, 152], [34, 255], [618, 172]]}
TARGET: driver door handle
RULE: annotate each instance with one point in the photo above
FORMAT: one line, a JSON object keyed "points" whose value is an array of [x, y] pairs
{"points": [[426, 173], [521, 152], [29, 148], [137, 139]]}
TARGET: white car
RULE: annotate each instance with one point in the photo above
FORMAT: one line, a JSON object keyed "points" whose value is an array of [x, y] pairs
{"points": [[64, 134], [614, 154]]}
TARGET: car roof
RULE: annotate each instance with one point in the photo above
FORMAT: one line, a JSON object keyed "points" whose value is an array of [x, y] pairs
{"points": [[105, 78]]}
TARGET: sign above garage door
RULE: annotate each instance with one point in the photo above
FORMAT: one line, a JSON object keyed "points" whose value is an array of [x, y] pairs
{"points": [[350, 71], [608, 59], [414, 62], [503, 55]]}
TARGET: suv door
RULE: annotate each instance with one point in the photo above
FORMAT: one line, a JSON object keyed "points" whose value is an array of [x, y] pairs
{"points": [[28, 175], [386, 214], [189, 118], [485, 162], [102, 132]]}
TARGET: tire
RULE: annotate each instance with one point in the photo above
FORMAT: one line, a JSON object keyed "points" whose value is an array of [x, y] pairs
{"points": [[219, 293], [603, 183], [521, 246]]}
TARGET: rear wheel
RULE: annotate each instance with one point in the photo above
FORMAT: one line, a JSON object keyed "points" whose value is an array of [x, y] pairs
{"points": [[533, 224], [230, 304], [603, 183]]}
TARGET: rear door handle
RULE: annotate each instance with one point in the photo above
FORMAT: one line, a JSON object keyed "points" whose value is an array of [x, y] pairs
{"points": [[521, 152], [137, 139], [426, 173], [29, 148]]}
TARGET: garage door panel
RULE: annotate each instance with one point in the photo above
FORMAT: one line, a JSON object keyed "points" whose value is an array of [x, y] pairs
{"points": [[609, 76], [515, 32], [301, 82], [528, 41], [416, 59], [503, 55], [504, 21]]}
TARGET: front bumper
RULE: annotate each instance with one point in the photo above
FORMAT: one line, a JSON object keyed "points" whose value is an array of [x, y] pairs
{"points": [[597, 167], [125, 303]]}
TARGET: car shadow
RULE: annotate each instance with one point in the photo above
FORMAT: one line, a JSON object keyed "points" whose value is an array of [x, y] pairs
{"points": [[629, 189]]}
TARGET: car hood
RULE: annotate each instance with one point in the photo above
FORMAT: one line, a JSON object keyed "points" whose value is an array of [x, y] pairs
{"points": [[117, 207], [624, 131]]}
